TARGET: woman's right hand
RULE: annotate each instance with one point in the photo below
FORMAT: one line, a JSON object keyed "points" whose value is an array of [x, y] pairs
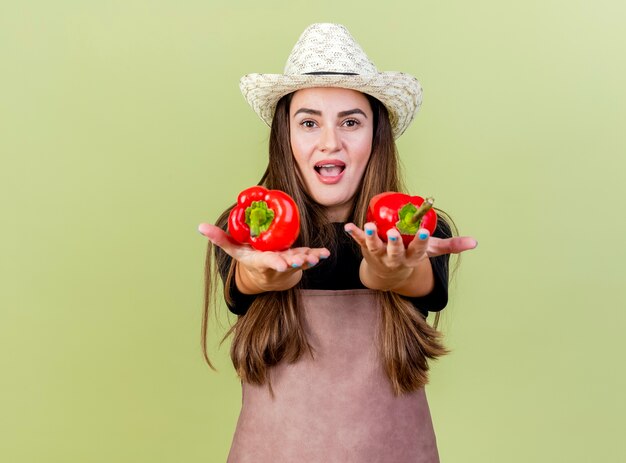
{"points": [[260, 271]]}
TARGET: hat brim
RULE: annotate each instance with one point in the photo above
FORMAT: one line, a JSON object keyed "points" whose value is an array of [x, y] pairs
{"points": [[400, 93]]}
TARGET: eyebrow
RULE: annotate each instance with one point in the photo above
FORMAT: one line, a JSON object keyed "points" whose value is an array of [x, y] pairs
{"points": [[315, 112]]}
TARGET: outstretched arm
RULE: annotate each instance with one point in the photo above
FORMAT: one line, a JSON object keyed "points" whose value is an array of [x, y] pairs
{"points": [[391, 267], [260, 271]]}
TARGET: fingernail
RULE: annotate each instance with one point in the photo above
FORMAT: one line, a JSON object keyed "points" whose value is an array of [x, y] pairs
{"points": [[476, 244], [312, 264], [423, 236], [295, 265], [369, 232], [349, 232], [323, 257], [393, 238]]}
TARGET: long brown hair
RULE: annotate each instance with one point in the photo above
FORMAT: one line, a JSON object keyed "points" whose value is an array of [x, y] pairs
{"points": [[272, 329]]}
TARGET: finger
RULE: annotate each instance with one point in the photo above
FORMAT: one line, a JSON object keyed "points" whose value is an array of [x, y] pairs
{"points": [[395, 246], [456, 245], [310, 261], [272, 260], [297, 250], [303, 258], [418, 246], [367, 238], [320, 253], [220, 238], [314, 256], [355, 233], [306, 253], [373, 243], [296, 261]]}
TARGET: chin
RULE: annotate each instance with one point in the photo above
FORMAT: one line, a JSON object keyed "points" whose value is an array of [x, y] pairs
{"points": [[329, 196]]}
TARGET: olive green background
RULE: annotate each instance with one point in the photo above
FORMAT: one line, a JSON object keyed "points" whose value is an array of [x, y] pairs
{"points": [[122, 128]]}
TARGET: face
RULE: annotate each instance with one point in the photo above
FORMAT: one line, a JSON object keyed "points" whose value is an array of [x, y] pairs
{"points": [[331, 139]]}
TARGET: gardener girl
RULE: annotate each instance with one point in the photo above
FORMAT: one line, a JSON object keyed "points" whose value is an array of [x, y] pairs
{"points": [[331, 341]]}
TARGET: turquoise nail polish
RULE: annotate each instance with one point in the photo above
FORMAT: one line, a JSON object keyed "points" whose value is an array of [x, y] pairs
{"points": [[423, 236], [369, 232], [393, 238], [295, 265], [323, 257]]}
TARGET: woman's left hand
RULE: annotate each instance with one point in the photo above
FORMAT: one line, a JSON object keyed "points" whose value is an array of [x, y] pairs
{"points": [[391, 262]]}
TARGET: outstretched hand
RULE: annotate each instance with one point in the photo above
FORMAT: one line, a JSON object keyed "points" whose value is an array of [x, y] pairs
{"points": [[391, 261], [267, 270]]}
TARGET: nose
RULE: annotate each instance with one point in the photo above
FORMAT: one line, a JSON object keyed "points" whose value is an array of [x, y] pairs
{"points": [[329, 140]]}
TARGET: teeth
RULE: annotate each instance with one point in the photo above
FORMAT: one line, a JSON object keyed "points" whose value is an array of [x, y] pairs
{"points": [[329, 170]]}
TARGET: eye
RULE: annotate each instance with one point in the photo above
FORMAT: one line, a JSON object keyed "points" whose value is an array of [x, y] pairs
{"points": [[309, 124], [351, 122]]}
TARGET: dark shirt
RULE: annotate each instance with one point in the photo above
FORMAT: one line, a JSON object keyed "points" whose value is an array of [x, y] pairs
{"points": [[341, 271]]}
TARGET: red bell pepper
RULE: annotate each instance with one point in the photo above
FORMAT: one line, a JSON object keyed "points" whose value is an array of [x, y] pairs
{"points": [[267, 220], [405, 213]]}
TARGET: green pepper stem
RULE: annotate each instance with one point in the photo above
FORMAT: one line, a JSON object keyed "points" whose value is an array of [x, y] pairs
{"points": [[423, 209], [259, 217]]}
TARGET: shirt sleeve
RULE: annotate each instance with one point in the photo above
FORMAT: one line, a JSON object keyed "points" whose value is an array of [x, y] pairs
{"points": [[437, 299], [240, 301]]}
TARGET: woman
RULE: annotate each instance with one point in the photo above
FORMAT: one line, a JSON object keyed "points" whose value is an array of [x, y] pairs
{"points": [[331, 342]]}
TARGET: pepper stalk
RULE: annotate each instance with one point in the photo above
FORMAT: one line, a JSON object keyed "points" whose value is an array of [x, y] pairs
{"points": [[423, 209]]}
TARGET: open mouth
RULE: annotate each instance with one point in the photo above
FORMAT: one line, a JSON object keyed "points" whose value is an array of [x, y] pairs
{"points": [[330, 169]]}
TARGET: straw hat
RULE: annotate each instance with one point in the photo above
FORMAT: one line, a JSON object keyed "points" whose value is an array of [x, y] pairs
{"points": [[326, 55]]}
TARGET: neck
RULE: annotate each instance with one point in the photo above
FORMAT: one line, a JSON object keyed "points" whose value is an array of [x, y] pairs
{"points": [[338, 213]]}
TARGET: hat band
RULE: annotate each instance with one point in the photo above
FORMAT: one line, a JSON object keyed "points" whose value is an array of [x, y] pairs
{"points": [[325, 73]]}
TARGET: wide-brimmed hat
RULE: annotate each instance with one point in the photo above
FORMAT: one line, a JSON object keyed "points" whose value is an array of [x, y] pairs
{"points": [[326, 55]]}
